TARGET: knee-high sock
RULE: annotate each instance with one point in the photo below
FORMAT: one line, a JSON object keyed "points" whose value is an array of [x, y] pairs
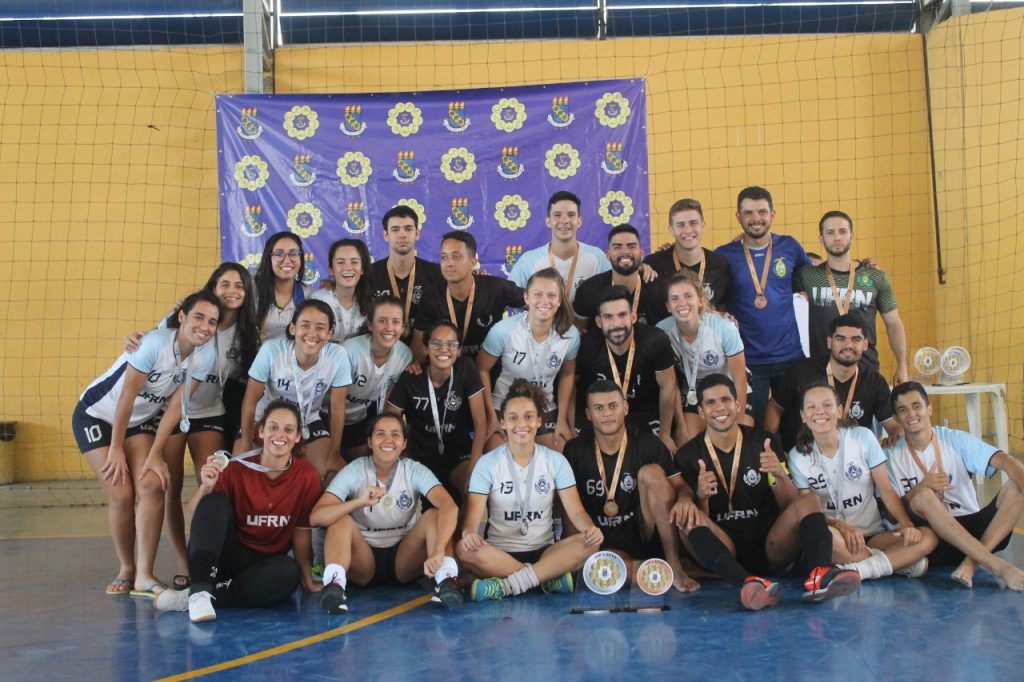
{"points": [[816, 540], [714, 556]]}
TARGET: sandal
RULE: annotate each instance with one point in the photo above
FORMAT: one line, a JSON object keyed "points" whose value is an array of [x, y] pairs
{"points": [[150, 591], [181, 582], [119, 586]]}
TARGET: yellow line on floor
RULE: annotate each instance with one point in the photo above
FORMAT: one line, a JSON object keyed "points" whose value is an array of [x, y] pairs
{"points": [[55, 537], [1019, 531], [298, 644]]}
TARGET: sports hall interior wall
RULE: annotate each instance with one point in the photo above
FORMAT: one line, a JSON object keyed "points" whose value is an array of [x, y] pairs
{"points": [[108, 158]]}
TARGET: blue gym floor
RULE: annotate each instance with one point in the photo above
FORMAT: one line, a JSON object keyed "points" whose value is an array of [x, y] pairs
{"points": [[57, 623]]}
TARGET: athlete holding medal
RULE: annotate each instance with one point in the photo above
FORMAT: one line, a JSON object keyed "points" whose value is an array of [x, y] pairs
{"points": [[444, 408], [516, 485], [301, 369], [245, 519], [704, 343], [539, 345], [114, 427], [844, 467], [375, 533]]}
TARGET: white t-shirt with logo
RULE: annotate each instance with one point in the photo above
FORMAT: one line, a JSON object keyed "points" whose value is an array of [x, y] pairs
{"points": [[276, 367]]}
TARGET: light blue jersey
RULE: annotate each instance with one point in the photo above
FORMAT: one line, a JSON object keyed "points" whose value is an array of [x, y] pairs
{"points": [[160, 360], [717, 340], [276, 367], [523, 357], [371, 383], [347, 321], [592, 261]]}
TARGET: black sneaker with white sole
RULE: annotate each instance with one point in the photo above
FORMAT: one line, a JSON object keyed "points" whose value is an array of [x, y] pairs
{"points": [[448, 592], [333, 600]]}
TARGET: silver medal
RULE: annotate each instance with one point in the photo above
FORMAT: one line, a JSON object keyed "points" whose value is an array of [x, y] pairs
{"points": [[387, 501], [184, 424], [305, 433], [524, 527], [691, 397], [221, 459]]}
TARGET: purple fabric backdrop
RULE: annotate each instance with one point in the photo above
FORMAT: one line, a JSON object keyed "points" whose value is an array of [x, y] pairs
{"points": [[329, 166]]}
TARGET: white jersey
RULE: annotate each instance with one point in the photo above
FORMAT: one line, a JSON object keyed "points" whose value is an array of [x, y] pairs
{"points": [[492, 477], [523, 357], [384, 525], [207, 400], [962, 455], [276, 367], [370, 383], [275, 326], [592, 261], [843, 483], [347, 321], [160, 360], [717, 340]]}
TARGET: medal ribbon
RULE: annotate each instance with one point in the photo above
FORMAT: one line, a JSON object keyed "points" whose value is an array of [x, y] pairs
{"points": [[243, 459], [610, 489], [703, 264], [469, 309], [759, 283], [186, 389], [521, 501], [296, 374], [539, 357], [853, 384], [623, 381], [736, 453], [438, 423], [835, 493], [409, 291], [690, 369], [938, 455], [842, 303], [572, 268]]}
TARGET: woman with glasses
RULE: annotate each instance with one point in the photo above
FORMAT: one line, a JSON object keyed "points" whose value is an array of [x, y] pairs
{"points": [[444, 408], [279, 287]]}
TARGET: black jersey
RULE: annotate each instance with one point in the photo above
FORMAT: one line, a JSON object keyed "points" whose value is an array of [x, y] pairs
{"points": [[492, 298], [717, 274], [624, 530], [428, 278], [653, 354], [411, 396], [753, 502], [650, 310], [870, 397]]}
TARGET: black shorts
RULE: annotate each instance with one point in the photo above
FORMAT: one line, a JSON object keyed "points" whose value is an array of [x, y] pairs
{"points": [[317, 430], [355, 435], [92, 433], [530, 556], [750, 541], [635, 546], [946, 554], [384, 565], [215, 424]]}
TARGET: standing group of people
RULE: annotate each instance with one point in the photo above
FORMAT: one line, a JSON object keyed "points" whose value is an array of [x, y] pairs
{"points": [[433, 419]]}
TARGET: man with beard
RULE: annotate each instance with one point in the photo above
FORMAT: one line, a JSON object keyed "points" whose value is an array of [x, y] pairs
{"points": [[638, 358], [741, 516], [402, 273], [628, 483], [763, 265], [863, 391], [574, 260], [840, 285], [626, 256]]}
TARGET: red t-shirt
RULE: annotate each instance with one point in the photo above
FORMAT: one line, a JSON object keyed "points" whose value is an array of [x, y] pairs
{"points": [[267, 512]]}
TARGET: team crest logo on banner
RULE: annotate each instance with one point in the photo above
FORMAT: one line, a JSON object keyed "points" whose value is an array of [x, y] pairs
{"points": [[508, 115], [249, 127], [615, 208], [305, 220], [355, 218], [512, 254], [253, 226], [456, 121], [301, 122], [780, 267], [613, 163], [303, 174], [612, 109], [310, 275], [460, 219], [352, 124], [510, 168], [560, 116], [405, 169], [251, 262], [512, 212], [562, 161]]}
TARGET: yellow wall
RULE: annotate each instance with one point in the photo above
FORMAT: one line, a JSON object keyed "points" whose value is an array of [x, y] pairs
{"points": [[113, 219], [975, 64]]}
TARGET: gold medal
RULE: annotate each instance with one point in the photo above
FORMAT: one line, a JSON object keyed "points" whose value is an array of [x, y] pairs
{"points": [[761, 301]]}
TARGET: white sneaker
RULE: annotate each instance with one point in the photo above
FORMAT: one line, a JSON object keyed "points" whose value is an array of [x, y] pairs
{"points": [[916, 569], [200, 608], [172, 600]]}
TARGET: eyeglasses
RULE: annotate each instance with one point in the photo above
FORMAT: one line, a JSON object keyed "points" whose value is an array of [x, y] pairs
{"points": [[280, 255], [438, 344]]}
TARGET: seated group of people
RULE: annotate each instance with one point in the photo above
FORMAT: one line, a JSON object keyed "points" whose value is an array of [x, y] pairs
{"points": [[429, 432]]}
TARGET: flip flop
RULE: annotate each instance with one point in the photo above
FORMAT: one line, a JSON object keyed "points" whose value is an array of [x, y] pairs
{"points": [[150, 591], [181, 582], [119, 586]]}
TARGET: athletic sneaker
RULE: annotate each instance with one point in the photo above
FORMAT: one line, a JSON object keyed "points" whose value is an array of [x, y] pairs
{"points": [[489, 588], [563, 584], [914, 570], [172, 600], [317, 570], [758, 593], [448, 592], [333, 600], [829, 582], [200, 607]]}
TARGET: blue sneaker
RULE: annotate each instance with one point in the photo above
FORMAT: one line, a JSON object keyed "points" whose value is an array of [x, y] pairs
{"points": [[563, 584], [489, 588]]}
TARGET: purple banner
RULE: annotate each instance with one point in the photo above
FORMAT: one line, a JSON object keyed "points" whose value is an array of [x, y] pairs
{"points": [[329, 166]]}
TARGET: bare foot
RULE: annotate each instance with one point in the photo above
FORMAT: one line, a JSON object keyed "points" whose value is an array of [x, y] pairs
{"points": [[1011, 577], [964, 574], [684, 583]]}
